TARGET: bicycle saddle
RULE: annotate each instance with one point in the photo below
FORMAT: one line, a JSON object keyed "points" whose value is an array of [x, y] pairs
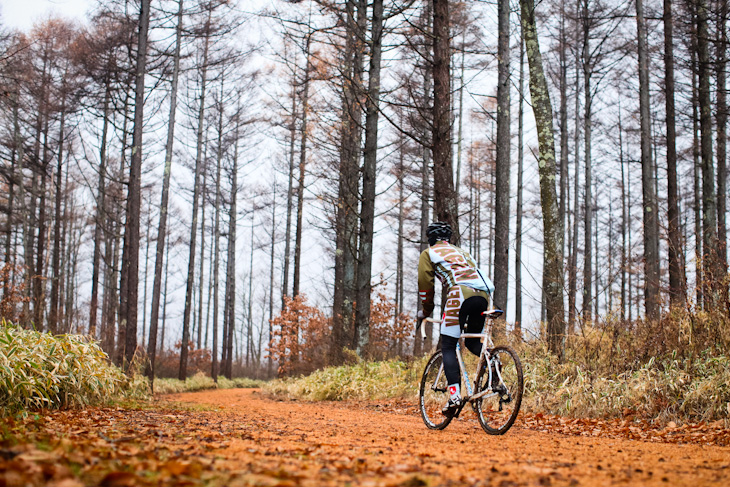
{"points": [[493, 313]]}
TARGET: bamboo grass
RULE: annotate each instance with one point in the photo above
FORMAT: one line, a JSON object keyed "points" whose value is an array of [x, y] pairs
{"points": [[39, 370]]}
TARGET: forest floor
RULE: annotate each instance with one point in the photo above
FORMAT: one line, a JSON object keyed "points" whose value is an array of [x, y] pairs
{"points": [[241, 437]]}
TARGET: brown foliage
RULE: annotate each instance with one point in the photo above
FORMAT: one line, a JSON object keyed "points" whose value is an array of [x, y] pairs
{"points": [[300, 337], [247, 439], [168, 361], [301, 334], [11, 293], [388, 333]]}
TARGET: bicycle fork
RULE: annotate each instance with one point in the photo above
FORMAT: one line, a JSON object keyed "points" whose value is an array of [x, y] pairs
{"points": [[484, 359]]}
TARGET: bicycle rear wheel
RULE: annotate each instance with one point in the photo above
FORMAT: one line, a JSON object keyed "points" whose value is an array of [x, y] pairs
{"points": [[498, 410], [434, 393]]}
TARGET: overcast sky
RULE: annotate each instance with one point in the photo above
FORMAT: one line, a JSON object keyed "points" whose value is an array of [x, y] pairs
{"points": [[21, 14]]}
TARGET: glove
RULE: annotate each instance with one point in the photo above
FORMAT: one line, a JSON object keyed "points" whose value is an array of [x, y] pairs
{"points": [[420, 315]]}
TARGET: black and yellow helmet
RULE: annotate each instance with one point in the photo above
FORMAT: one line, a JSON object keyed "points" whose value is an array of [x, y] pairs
{"points": [[438, 231]]}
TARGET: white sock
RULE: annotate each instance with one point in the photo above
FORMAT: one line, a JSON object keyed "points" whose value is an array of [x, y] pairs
{"points": [[454, 391]]}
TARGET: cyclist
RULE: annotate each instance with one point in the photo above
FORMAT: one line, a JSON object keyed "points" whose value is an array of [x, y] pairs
{"points": [[468, 292]]}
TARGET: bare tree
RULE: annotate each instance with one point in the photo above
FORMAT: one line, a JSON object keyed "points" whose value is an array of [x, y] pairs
{"points": [[165, 198], [445, 202], [367, 211], [130, 258], [677, 284], [712, 264], [651, 209], [552, 230], [502, 188]]}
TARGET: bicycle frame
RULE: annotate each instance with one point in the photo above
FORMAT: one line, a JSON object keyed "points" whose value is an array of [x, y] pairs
{"points": [[484, 358]]}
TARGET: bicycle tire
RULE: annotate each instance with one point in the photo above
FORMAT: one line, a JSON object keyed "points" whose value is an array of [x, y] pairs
{"points": [[434, 393], [497, 412]]}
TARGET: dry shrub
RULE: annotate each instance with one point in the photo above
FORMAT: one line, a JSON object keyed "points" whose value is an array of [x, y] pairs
{"points": [[201, 381], [12, 294], [389, 331], [676, 369], [167, 363], [362, 381], [300, 337], [39, 370]]}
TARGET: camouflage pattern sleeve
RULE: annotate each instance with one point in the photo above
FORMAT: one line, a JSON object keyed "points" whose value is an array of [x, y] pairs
{"points": [[425, 282]]}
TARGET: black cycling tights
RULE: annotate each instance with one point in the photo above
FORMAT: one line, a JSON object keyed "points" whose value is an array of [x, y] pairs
{"points": [[451, 363], [470, 315]]}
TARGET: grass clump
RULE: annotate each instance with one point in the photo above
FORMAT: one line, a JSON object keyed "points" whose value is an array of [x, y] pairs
{"points": [[201, 382], [607, 376], [39, 370], [388, 379]]}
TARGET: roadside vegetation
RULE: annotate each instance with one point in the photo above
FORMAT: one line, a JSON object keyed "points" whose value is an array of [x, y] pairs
{"points": [[675, 370], [361, 381], [38, 370], [44, 371], [201, 382]]}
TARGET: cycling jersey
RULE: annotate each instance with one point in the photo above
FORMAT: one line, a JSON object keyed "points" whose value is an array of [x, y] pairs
{"points": [[453, 266]]}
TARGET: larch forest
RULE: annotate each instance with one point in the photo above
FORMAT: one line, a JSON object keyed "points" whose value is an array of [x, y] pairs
{"points": [[242, 188]]}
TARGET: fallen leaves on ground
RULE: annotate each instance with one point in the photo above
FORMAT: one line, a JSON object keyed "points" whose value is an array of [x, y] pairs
{"points": [[234, 443], [713, 433], [699, 433], [115, 447]]}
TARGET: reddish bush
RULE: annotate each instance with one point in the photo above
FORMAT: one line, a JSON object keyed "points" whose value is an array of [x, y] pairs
{"points": [[11, 293], [167, 363], [300, 337]]}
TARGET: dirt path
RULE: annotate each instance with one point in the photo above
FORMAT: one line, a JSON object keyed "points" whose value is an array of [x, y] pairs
{"points": [[293, 443]]}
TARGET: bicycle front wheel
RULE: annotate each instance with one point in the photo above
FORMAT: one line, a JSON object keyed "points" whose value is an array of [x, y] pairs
{"points": [[498, 409], [434, 393]]}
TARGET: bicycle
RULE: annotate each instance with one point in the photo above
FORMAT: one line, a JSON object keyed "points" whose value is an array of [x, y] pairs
{"points": [[496, 395]]}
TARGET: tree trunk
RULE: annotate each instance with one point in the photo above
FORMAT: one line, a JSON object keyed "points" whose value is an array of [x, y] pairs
{"points": [[166, 237], [502, 187], [100, 216], [302, 171], [677, 285], [201, 280], [518, 225], [553, 233], [564, 133], [712, 266], [399, 268], [130, 259], [445, 203], [290, 192], [214, 371], [272, 252], [146, 276], [196, 195], [346, 218], [367, 210], [652, 299], [15, 156], [460, 137], [697, 186], [573, 267], [53, 316], [721, 118], [162, 225], [116, 279], [624, 215], [588, 197], [249, 331], [230, 294], [39, 297], [29, 229]]}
